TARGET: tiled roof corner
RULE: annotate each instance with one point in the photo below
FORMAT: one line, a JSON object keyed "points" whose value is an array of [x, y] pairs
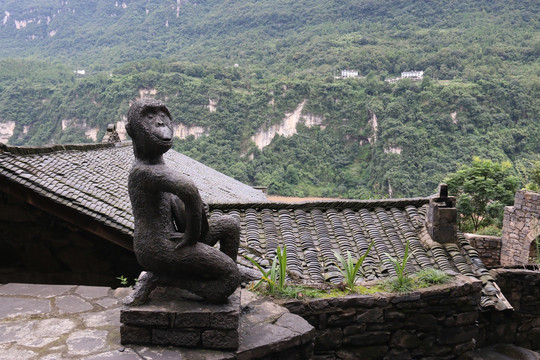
{"points": [[91, 179], [313, 232]]}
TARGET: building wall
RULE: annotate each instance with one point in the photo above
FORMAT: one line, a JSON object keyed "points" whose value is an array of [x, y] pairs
{"points": [[36, 247], [521, 326], [521, 226], [488, 247], [438, 322]]}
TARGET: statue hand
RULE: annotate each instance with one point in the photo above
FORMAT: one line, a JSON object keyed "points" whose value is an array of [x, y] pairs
{"points": [[183, 239], [180, 244]]}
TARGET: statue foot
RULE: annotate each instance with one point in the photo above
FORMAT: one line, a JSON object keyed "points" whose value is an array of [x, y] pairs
{"points": [[146, 283], [247, 274]]}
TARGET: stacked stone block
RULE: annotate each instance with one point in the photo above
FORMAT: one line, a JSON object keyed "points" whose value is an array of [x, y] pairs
{"points": [[438, 322], [172, 320], [522, 326], [488, 248], [521, 226]]}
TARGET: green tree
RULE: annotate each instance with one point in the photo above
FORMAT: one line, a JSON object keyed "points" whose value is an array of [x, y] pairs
{"points": [[482, 190], [534, 176]]}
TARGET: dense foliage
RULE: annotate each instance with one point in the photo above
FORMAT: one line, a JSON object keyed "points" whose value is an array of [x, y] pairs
{"points": [[480, 95], [482, 189]]}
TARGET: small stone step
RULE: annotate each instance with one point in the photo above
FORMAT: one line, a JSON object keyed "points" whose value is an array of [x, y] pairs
{"points": [[175, 317]]}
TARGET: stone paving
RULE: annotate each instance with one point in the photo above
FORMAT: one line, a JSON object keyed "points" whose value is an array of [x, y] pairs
{"points": [[54, 322], [50, 322]]}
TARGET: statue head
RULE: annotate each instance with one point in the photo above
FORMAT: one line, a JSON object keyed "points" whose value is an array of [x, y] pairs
{"points": [[150, 127]]}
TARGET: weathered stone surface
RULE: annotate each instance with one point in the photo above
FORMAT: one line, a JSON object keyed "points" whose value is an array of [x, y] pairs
{"points": [[71, 304], [457, 334], [13, 352], [35, 290], [34, 333], [356, 301], [370, 316], [367, 338], [364, 353], [226, 318], [466, 318], [102, 318], [354, 329], [145, 316], [403, 339], [135, 335], [92, 292], [11, 307], [125, 354], [500, 352], [192, 320], [176, 337], [328, 339], [424, 322], [265, 338], [85, 342], [520, 227], [220, 339], [263, 311], [169, 353], [297, 325]]}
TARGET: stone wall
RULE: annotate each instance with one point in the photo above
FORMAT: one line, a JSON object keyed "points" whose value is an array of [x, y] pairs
{"points": [[439, 322], [488, 247], [521, 226], [36, 247], [522, 326]]}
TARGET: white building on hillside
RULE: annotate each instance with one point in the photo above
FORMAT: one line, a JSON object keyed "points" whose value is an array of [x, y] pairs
{"points": [[417, 75], [349, 73]]}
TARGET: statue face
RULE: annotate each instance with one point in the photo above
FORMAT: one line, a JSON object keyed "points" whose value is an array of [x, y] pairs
{"points": [[158, 125]]}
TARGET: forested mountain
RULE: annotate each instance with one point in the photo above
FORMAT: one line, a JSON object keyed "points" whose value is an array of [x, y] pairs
{"points": [[234, 70]]}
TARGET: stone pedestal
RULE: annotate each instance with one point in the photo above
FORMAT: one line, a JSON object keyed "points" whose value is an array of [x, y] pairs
{"points": [[175, 317]]}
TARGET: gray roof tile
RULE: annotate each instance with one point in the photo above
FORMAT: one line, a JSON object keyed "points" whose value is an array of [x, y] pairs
{"points": [[313, 231], [92, 178]]}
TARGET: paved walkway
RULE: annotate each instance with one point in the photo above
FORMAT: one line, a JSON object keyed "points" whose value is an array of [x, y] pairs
{"points": [[53, 322]]}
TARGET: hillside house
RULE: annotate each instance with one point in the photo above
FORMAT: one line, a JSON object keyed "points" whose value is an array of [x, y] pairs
{"points": [[348, 73], [414, 75]]}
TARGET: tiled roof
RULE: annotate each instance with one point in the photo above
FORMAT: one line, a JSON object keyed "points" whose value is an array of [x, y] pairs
{"points": [[313, 231], [92, 178]]}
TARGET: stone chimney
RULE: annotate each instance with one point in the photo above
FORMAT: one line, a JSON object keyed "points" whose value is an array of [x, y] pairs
{"points": [[441, 219], [111, 136]]}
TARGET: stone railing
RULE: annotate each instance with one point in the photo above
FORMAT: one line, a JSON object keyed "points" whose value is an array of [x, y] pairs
{"points": [[440, 321]]}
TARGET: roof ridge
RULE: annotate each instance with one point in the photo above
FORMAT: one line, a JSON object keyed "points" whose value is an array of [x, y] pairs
{"points": [[46, 149], [330, 204]]}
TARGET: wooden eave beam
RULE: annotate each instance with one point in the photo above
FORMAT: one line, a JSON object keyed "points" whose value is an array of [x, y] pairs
{"points": [[67, 214]]}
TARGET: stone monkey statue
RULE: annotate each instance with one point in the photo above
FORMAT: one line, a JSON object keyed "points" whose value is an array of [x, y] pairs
{"points": [[173, 239]]}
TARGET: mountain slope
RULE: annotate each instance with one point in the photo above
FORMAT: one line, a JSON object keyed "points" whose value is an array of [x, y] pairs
{"points": [[480, 95]]}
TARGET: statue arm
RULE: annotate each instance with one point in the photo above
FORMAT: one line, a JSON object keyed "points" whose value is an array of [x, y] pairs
{"points": [[164, 180]]}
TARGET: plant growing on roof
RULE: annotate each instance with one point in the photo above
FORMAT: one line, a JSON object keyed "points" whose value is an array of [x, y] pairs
{"points": [[350, 268], [275, 276], [431, 276], [402, 282]]}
